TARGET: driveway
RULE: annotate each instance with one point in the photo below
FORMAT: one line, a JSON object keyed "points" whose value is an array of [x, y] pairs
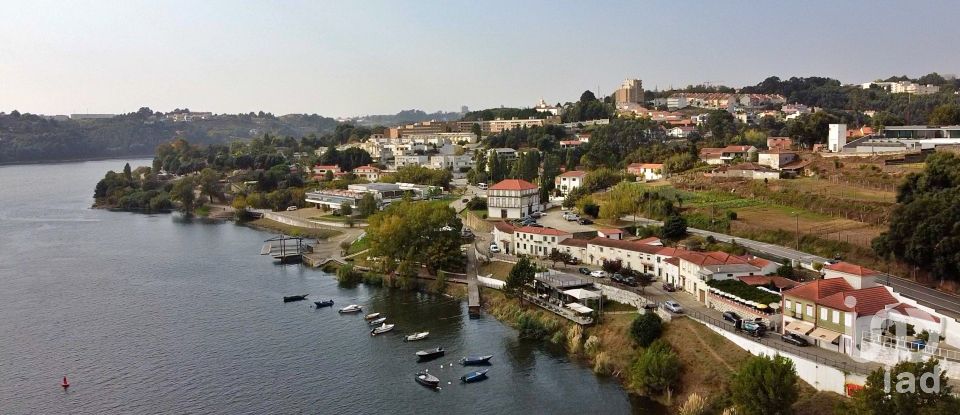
{"points": [[554, 219]]}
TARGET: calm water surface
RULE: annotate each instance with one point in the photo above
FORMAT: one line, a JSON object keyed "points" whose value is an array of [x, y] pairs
{"points": [[161, 314]]}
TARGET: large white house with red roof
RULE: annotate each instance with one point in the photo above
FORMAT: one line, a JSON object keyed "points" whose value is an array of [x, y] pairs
{"points": [[513, 199], [537, 241], [568, 181], [646, 171]]}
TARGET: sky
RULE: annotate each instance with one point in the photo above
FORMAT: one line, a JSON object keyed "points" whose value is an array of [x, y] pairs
{"points": [[346, 58]]}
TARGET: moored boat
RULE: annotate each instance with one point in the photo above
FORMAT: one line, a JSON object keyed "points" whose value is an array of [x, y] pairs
{"points": [[430, 353], [416, 336], [292, 298], [474, 376], [427, 379], [324, 303], [382, 329], [372, 316], [476, 360], [352, 308], [378, 321]]}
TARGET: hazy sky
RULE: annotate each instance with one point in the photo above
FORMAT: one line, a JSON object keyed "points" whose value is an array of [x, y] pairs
{"points": [[341, 58]]}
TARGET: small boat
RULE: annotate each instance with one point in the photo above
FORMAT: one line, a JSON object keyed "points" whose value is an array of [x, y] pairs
{"points": [[382, 329], [352, 308], [474, 376], [64, 384], [427, 380], [371, 316], [324, 303], [430, 353], [416, 336], [378, 321], [292, 298], [476, 360]]}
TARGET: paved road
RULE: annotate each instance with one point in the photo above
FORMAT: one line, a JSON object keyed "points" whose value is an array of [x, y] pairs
{"points": [[944, 303]]}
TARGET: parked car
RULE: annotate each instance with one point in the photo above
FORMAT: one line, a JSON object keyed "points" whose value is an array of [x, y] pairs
{"points": [[537, 214], [466, 233], [616, 277], [584, 221], [494, 248], [599, 274], [291, 208], [572, 261], [584, 271], [731, 316], [757, 329], [669, 287], [794, 340], [630, 281], [649, 306], [672, 306], [917, 344], [570, 216], [535, 225]]}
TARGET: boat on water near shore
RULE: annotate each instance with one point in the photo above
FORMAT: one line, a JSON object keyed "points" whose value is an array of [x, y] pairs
{"points": [[474, 376], [416, 336], [430, 353], [352, 308], [382, 329], [427, 380], [378, 321], [372, 316], [324, 303], [476, 360], [292, 298]]}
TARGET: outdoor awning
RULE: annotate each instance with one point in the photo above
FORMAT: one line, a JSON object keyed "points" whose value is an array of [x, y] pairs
{"points": [[823, 334], [581, 294], [799, 327], [579, 308]]}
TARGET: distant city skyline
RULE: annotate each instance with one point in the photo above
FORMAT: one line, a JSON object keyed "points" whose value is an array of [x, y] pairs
{"points": [[344, 59]]}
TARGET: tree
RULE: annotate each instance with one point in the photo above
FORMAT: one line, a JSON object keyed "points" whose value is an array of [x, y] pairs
{"points": [[587, 96], [946, 114], [765, 385], [721, 124], [785, 270], [521, 274], [883, 396], [367, 205], [476, 130], [646, 328], [210, 184], [658, 368], [675, 227], [182, 192], [643, 280], [126, 173], [414, 231]]}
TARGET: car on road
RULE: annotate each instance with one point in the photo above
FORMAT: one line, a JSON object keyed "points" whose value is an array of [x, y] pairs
{"points": [[731, 316], [291, 208], [672, 306], [599, 273], [795, 340], [669, 287], [494, 248], [584, 221], [482, 186], [584, 271], [572, 261]]}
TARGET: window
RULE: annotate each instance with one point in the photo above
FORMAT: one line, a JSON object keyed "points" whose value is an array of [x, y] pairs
{"points": [[848, 319], [809, 310], [799, 308], [787, 304], [823, 314], [836, 317]]}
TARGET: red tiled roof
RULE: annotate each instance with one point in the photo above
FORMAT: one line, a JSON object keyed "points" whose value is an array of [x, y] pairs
{"points": [[504, 227], [779, 282], [673, 261], [710, 258], [911, 311], [649, 241], [848, 268], [815, 290], [542, 231], [637, 166], [627, 245], [736, 149], [865, 302], [571, 142], [513, 184], [580, 243], [574, 173], [610, 231], [366, 168], [671, 252], [756, 261], [326, 167]]}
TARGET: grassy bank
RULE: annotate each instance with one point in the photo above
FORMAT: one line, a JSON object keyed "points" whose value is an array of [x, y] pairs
{"points": [[316, 233]]}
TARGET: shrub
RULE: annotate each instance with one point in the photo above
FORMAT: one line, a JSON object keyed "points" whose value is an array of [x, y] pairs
{"points": [[695, 405], [347, 275], [658, 368], [646, 328], [592, 346], [764, 383], [602, 364], [574, 338], [477, 203], [732, 216]]}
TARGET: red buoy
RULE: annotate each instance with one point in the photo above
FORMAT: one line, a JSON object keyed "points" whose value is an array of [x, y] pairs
{"points": [[64, 383]]}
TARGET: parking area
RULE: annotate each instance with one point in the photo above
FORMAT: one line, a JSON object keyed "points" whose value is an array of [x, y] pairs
{"points": [[554, 219]]}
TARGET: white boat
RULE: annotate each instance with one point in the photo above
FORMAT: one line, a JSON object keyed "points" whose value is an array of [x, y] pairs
{"points": [[372, 316], [416, 336], [382, 329], [378, 321], [352, 308]]}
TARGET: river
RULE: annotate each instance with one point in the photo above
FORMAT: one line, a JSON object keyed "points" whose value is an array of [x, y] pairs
{"points": [[163, 314]]}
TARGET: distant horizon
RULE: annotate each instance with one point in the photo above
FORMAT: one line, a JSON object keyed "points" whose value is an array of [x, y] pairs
{"points": [[345, 60]]}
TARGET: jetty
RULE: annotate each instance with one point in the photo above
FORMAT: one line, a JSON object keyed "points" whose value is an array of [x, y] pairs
{"points": [[285, 249]]}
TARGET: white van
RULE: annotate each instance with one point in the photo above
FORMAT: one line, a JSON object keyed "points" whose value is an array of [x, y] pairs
{"points": [[482, 186]]}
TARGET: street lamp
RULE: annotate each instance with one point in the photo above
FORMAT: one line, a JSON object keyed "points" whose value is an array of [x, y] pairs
{"points": [[797, 214]]}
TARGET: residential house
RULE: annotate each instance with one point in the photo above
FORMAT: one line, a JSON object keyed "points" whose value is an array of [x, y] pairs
{"points": [[570, 143], [320, 171], [536, 241], [505, 153], [646, 171], [697, 268], [611, 233], [747, 170], [576, 248], [503, 236], [776, 158], [681, 132], [779, 143], [726, 155], [368, 172], [569, 181], [513, 199], [632, 254]]}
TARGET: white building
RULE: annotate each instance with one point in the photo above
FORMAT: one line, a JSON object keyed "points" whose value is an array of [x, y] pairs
{"points": [[407, 160], [452, 162], [369, 173], [505, 153], [776, 158], [537, 241], [569, 181], [646, 171], [837, 137], [513, 199]]}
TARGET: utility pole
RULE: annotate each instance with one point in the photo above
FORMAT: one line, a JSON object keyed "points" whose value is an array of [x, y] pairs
{"points": [[797, 214]]}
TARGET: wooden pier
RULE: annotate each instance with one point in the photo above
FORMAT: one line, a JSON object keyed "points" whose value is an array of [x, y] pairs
{"points": [[284, 249]]}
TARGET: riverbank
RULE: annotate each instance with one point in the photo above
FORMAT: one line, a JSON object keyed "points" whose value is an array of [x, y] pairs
{"points": [[147, 157], [273, 226]]}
